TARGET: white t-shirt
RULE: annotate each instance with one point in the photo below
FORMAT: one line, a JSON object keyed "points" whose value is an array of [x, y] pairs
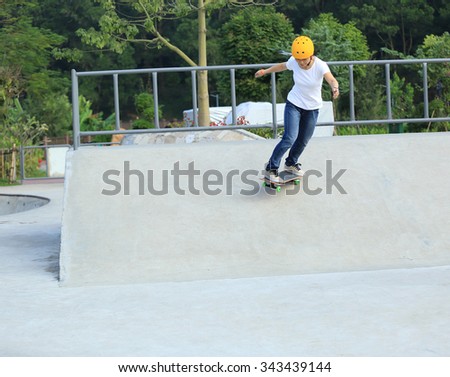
{"points": [[307, 90]]}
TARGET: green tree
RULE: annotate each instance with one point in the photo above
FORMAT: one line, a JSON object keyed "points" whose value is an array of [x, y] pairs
{"points": [[11, 86], [402, 95], [253, 36], [335, 41], [145, 108], [90, 121], [25, 60], [398, 24], [370, 97], [137, 21], [18, 127], [65, 18], [434, 46]]}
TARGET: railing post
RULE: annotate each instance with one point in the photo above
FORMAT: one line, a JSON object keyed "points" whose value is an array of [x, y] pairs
{"points": [[194, 97], [388, 90], [155, 98], [233, 96], [352, 92], [75, 111], [273, 83], [22, 162], [116, 100], [426, 111]]}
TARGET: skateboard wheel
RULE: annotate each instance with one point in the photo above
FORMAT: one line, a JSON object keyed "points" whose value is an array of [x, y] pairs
{"points": [[297, 182], [278, 188]]}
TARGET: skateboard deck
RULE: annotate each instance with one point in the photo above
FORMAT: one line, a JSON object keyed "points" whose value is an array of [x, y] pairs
{"points": [[285, 176]]}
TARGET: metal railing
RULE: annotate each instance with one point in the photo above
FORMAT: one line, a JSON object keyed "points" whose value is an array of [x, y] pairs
{"points": [[77, 134]]}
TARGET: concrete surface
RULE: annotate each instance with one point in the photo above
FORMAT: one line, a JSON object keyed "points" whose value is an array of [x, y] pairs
{"points": [[395, 312], [188, 137], [388, 209], [20, 203]]}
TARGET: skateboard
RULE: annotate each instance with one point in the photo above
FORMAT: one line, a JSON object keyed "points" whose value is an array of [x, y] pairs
{"points": [[285, 177]]}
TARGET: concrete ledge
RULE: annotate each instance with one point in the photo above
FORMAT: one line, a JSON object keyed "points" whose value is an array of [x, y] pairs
{"points": [[388, 209]]}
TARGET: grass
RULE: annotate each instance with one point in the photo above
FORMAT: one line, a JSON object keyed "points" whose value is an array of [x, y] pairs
{"points": [[5, 182]]}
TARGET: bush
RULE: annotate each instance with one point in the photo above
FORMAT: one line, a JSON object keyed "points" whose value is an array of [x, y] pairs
{"points": [[145, 108]]}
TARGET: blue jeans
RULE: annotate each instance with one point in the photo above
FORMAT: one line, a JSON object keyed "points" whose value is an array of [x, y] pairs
{"points": [[299, 127]]}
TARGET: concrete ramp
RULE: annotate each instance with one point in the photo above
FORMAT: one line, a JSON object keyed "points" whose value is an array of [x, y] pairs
{"points": [[190, 212]]}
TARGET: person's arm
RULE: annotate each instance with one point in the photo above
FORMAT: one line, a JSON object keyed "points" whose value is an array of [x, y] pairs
{"points": [[333, 84], [275, 68]]}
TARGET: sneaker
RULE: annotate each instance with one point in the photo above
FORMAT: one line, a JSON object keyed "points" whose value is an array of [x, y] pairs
{"points": [[271, 174], [294, 169]]}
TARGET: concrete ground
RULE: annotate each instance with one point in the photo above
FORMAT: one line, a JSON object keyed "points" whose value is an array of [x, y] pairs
{"points": [[397, 312]]}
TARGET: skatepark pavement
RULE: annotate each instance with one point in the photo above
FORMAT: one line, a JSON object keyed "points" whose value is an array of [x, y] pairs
{"points": [[383, 292]]}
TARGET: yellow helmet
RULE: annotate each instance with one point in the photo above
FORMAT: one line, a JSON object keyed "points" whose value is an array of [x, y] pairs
{"points": [[302, 47]]}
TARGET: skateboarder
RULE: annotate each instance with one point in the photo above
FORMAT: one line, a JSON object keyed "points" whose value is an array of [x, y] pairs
{"points": [[302, 104]]}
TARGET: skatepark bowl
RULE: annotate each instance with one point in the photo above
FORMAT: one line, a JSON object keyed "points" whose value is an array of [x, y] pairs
{"points": [[19, 203]]}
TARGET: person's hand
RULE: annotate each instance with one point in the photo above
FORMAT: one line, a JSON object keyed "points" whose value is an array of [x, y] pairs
{"points": [[260, 73], [335, 93]]}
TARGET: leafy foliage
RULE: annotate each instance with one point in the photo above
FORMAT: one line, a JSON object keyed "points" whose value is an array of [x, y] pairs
{"points": [[145, 108], [18, 127], [398, 24], [402, 96], [26, 56], [40, 45], [435, 46], [253, 35], [334, 41], [89, 121]]}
